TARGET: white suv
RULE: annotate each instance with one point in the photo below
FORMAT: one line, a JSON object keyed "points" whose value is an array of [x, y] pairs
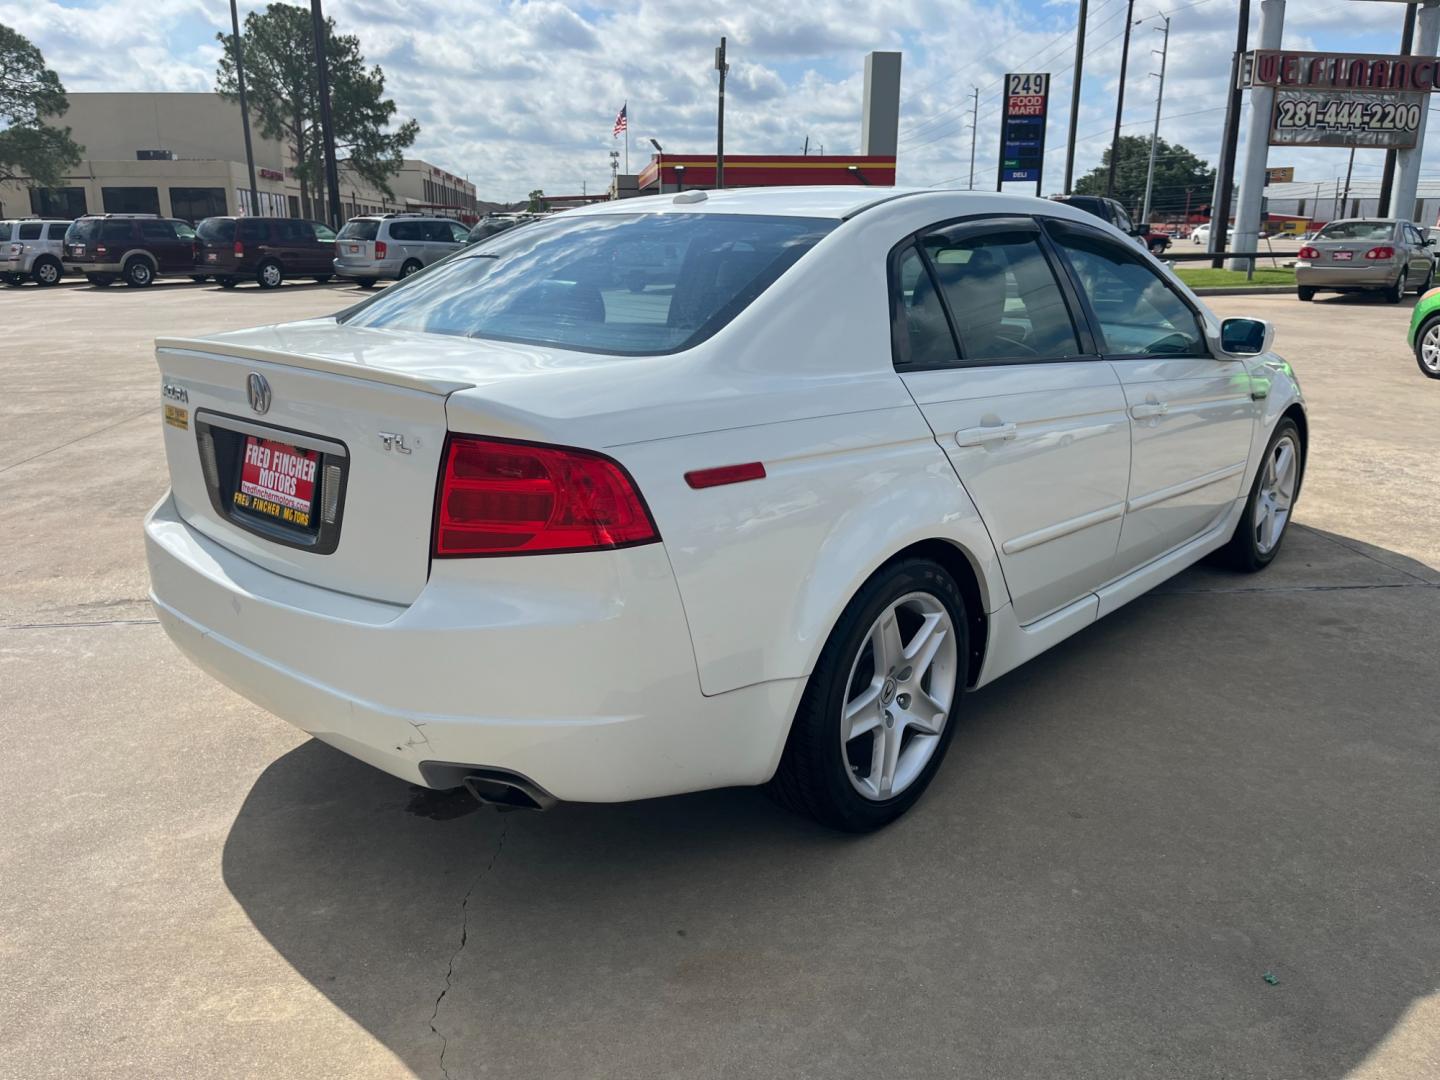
{"points": [[394, 245], [32, 248]]}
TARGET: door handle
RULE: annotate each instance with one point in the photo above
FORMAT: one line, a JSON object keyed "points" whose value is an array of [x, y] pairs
{"points": [[1150, 410], [988, 433]]}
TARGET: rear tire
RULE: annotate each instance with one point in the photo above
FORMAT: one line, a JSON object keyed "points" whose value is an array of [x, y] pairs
{"points": [[1395, 293], [200, 277], [227, 282], [270, 274], [321, 279], [138, 273], [410, 267], [1429, 334], [47, 271], [874, 701], [1258, 536], [1305, 292], [100, 281]]}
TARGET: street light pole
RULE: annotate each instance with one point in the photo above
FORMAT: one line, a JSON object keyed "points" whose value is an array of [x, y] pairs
{"points": [[1075, 94], [974, 129], [327, 129], [1155, 134], [722, 67], [244, 107], [1120, 100]]}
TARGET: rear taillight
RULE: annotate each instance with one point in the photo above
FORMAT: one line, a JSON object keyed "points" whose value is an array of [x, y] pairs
{"points": [[1308, 252], [379, 249], [506, 498], [1378, 253], [239, 249]]}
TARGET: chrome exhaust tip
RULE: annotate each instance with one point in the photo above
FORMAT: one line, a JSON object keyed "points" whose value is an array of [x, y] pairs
{"points": [[507, 791]]}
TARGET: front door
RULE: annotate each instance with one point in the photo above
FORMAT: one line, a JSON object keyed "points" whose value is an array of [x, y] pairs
{"points": [[1033, 422], [1192, 417]]}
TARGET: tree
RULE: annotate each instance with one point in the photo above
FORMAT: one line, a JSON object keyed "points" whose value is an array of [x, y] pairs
{"points": [[537, 203], [283, 90], [1177, 171], [31, 151]]}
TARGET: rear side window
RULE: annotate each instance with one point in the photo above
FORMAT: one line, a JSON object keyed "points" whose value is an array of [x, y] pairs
{"points": [[55, 231], [252, 230], [293, 231], [1002, 295], [217, 230], [116, 232], [360, 229], [29, 230], [923, 338], [578, 283], [407, 230], [1137, 312]]}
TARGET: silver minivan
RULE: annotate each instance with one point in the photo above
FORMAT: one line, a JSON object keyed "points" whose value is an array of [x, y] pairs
{"points": [[31, 248], [394, 245]]}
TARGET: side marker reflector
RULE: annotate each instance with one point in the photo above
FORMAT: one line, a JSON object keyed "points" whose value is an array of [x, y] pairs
{"points": [[726, 474]]}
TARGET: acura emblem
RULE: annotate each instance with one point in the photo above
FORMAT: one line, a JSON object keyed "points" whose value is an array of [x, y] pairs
{"points": [[257, 389]]}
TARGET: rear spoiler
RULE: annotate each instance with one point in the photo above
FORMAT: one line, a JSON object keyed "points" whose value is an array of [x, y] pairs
{"points": [[214, 350]]}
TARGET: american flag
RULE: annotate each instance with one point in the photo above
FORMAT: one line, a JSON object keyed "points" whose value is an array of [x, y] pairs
{"points": [[621, 121]]}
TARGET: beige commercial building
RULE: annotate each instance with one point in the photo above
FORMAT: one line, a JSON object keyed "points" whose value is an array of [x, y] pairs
{"points": [[183, 155]]}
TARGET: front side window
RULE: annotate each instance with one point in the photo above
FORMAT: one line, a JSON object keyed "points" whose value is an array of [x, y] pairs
{"points": [[1122, 219], [157, 230], [183, 230], [579, 282], [323, 232], [1003, 297], [1137, 312]]}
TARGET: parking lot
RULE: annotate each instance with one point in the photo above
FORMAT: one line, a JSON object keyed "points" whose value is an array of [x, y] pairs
{"points": [[1197, 840]]}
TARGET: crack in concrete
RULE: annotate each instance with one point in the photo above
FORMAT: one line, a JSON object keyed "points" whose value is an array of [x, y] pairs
{"points": [[464, 936], [79, 438], [79, 624], [1417, 584]]}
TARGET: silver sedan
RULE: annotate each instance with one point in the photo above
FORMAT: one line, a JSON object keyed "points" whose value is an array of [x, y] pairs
{"points": [[1366, 255]]}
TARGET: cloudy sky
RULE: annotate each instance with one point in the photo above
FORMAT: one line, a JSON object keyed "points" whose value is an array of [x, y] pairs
{"points": [[523, 94]]}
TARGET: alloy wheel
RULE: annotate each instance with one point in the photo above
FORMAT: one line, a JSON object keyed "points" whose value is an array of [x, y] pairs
{"points": [[47, 273], [1277, 493], [902, 683], [1430, 349]]}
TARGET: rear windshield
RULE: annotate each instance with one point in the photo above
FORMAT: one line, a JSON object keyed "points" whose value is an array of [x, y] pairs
{"points": [[217, 230], [631, 284], [83, 230], [360, 229], [1357, 230]]}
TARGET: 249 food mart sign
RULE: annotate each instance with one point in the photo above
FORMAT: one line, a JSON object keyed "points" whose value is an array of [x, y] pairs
{"points": [[1343, 99], [1022, 132]]}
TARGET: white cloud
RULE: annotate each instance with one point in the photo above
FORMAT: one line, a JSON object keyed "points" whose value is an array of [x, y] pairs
{"points": [[522, 94]]}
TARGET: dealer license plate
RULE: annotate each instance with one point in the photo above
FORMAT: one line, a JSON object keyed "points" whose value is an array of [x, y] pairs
{"points": [[1343, 256], [277, 481], [354, 249], [210, 256]]}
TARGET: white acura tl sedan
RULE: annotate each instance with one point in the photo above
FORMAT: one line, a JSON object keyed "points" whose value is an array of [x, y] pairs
{"points": [[845, 455]]}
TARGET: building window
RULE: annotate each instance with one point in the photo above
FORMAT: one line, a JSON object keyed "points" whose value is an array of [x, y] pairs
{"points": [[1300, 209], [67, 202], [131, 200], [196, 204]]}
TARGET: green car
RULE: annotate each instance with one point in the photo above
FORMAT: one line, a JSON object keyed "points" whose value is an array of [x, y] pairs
{"points": [[1425, 333]]}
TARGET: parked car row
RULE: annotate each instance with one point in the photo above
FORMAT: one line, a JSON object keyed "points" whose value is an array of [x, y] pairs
{"points": [[138, 248]]}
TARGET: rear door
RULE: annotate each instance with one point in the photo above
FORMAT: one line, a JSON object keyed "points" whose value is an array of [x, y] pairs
{"points": [[1192, 415], [1034, 423], [158, 237]]}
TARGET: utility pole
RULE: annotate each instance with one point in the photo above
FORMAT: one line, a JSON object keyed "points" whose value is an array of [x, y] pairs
{"points": [[722, 67], [1155, 134], [1349, 169], [327, 129], [1120, 100], [974, 130], [1225, 174], [1387, 178], [806, 151], [244, 107], [1075, 93]]}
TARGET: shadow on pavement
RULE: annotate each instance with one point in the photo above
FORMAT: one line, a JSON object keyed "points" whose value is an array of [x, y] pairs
{"points": [[1196, 840]]}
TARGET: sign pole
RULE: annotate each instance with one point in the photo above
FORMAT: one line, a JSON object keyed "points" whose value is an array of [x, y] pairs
{"points": [[1387, 178], [1257, 142], [1120, 101]]}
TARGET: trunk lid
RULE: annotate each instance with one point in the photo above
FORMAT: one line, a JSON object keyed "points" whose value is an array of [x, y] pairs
{"points": [[333, 481]]}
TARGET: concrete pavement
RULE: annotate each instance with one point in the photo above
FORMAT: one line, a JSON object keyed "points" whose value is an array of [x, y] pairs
{"points": [[1231, 777]]}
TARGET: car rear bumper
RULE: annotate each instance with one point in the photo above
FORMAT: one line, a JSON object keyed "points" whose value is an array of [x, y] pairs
{"points": [[577, 675], [1373, 276], [364, 268]]}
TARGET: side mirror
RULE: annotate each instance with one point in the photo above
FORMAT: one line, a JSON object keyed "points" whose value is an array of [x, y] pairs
{"points": [[1246, 337], [1432, 241]]}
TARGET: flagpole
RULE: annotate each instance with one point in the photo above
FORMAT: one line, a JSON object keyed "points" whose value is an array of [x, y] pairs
{"points": [[626, 107]]}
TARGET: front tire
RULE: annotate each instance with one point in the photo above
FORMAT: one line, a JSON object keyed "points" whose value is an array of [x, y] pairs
{"points": [[1305, 292], [47, 272], [13, 279], [365, 282], [200, 278], [100, 281], [1427, 348], [1263, 526], [878, 713], [227, 282], [322, 279]]}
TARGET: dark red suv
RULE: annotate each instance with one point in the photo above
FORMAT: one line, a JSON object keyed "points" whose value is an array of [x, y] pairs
{"points": [[267, 249], [135, 247]]}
